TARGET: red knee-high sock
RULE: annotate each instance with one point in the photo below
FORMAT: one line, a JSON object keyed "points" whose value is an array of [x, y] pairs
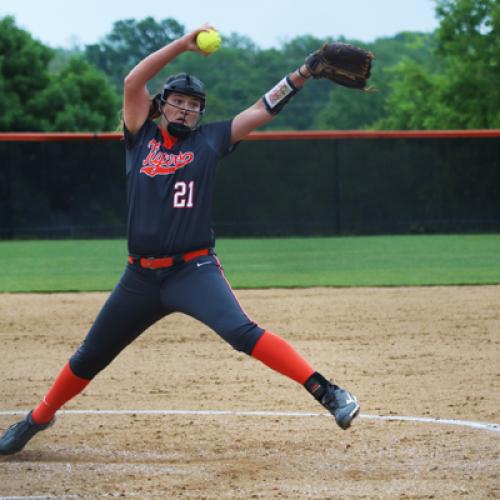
{"points": [[279, 355], [66, 386]]}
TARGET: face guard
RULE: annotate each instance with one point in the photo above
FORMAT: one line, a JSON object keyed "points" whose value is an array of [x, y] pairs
{"points": [[183, 83]]}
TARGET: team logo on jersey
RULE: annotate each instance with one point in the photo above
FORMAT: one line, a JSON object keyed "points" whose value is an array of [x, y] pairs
{"points": [[160, 163]]}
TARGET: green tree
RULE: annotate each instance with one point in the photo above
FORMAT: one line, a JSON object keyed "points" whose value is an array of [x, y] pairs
{"points": [[469, 39], [36, 95], [346, 109], [240, 72], [457, 88], [78, 98], [415, 101], [23, 74], [128, 43]]}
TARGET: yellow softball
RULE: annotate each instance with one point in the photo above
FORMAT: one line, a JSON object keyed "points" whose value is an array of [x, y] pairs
{"points": [[208, 41]]}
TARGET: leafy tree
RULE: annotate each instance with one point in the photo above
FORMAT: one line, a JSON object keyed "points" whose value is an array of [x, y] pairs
{"points": [[240, 42], [23, 73], [447, 79], [240, 73], [36, 95], [458, 86], [78, 98], [61, 57], [410, 103], [469, 39], [347, 109], [128, 43]]}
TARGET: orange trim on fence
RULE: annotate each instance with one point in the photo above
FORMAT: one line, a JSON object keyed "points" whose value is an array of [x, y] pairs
{"points": [[58, 136], [370, 134], [267, 136]]}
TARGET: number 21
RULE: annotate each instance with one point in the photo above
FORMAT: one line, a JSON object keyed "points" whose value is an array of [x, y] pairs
{"points": [[183, 194]]}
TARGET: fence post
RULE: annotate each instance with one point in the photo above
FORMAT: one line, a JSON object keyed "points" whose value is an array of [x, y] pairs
{"points": [[336, 187]]}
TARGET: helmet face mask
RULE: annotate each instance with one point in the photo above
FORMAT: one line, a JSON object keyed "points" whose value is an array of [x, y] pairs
{"points": [[184, 84]]}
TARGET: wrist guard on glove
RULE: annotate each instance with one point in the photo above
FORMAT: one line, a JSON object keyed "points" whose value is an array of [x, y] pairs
{"points": [[341, 63]]}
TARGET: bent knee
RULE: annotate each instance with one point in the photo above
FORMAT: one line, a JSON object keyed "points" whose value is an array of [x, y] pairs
{"points": [[88, 361], [244, 338]]}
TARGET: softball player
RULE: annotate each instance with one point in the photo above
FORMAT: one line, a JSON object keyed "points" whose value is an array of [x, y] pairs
{"points": [[172, 265]]}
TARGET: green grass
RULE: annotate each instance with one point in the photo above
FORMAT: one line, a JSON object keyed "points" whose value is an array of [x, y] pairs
{"points": [[52, 266]]}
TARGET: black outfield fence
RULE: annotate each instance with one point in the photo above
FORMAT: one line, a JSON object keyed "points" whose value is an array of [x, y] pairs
{"points": [[274, 184]]}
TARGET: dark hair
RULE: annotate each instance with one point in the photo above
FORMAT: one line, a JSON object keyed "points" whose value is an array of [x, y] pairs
{"points": [[154, 107]]}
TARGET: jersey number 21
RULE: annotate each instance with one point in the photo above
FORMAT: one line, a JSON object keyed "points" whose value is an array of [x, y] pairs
{"points": [[183, 194]]}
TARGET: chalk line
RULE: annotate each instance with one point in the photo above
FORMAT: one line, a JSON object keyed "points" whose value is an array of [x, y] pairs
{"points": [[485, 426], [237, 413]]}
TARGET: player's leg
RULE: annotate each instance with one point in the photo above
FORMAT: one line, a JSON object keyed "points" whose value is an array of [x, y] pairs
{"points": [[201, 291], [130, 309], [279, 355]]}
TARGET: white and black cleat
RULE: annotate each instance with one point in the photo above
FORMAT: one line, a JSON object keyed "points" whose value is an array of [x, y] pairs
{"points": [[342, 405]]}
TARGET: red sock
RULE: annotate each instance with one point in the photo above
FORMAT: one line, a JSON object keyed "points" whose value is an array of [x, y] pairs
{"points": [[66, 386], [279, 355]]}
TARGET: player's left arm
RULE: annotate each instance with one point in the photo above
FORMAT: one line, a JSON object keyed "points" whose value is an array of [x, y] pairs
{"points": [[266, 108], [338, 62]]}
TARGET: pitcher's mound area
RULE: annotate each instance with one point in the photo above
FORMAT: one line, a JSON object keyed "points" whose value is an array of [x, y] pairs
{"points": [[420, 352]]}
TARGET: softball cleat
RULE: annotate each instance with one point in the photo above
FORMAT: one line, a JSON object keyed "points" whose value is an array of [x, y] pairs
{"points": [[341, 404], [17, 435]]}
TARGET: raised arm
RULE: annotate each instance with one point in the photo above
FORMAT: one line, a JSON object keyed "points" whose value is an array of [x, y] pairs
{"points": [[265, 109], [136, 98], [341, 63]]}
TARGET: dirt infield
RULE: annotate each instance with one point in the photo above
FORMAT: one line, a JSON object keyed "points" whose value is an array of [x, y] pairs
{"points": [[420, 352]]}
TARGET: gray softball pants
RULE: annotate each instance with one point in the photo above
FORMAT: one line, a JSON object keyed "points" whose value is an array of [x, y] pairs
{"points": [[197, 288]]}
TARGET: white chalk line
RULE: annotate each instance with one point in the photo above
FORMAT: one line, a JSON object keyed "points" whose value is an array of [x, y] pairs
{"points": [[485, 426]]}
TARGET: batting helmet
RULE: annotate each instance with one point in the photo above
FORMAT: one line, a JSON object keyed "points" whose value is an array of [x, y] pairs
{"points": [[183, 83]]}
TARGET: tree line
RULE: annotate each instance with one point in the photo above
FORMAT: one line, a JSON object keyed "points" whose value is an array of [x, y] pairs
{"points": [[447, 79]]}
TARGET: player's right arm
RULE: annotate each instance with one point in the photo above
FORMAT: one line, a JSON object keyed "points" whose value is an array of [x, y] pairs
{"points": [[136, 98]]}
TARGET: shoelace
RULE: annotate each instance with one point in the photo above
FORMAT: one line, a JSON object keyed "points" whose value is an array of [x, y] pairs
{"points": [[19, 424], [13, 426]]}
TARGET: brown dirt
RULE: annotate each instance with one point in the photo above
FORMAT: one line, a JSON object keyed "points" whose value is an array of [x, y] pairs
{"points": [[424, 352]]}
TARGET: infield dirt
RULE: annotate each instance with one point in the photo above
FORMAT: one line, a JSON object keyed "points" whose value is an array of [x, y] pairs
{"points": [[424, 352]]}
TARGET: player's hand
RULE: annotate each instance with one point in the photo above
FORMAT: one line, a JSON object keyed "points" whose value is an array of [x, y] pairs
{"points": [[190, 39]]}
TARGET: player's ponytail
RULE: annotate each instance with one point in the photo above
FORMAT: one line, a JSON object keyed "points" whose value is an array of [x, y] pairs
{"points": [[154, 108]]}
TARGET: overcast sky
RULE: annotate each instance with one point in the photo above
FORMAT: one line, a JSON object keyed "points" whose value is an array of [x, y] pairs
{"points": [[66, 23]]}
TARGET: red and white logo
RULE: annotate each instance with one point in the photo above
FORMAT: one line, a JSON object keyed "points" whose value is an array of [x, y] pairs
{"points": [[160, 163]]}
